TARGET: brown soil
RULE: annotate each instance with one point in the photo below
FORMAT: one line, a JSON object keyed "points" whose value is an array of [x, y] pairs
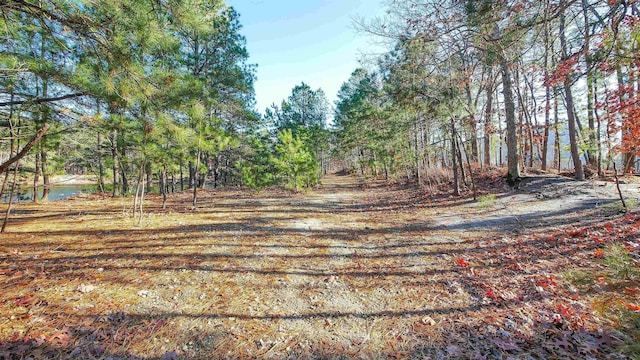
{"points": [[342, 272], [63, 180]]}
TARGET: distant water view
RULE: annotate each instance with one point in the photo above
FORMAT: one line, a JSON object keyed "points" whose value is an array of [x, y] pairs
{"points": [[58, 192]]}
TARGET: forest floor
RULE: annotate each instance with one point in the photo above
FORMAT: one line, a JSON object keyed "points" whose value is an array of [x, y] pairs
{"points": [[345, 271]]}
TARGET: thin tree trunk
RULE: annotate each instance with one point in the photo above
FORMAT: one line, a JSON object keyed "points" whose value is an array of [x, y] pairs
{"points": [[473, 181], [590, 85], [615, 175], [135, 197], [417, 157], [149, 180], [195, 181], [123, 173], [547, 96], [472, 124], [41, 120], [161, 183], [13, 189], [532, 118], [521, 123], [142, 179], [487, 120], [36, 177], [573, 141], [12, 150], [204, 175], [556, 124], [164, 187], [216, 172], [181, 177], [460, 148], [12, 146], [114, 155], [513, 172], [15, 178], [46, 177], [99, 152], [100, 164], [524, 117], [599, 130], [500, 161], [456, 181]]}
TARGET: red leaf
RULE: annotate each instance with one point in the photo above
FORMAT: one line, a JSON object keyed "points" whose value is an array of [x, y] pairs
{"points": [[22, 301], [564, 311], [490, 294], [633, 307], [598, 253], [462, 262], [577, 232]]}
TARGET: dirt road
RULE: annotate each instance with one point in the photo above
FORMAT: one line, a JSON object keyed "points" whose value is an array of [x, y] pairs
{"points": [[341, 272]]}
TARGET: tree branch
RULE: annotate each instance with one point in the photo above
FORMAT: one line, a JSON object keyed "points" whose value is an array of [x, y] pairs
{"points": [[25, 149], [41, 100]]}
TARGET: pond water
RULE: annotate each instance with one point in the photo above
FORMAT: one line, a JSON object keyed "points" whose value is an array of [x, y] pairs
{"points": [[58, 192]]}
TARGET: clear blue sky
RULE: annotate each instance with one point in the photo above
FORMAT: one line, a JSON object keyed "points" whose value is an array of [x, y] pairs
{"points": [[304, 40]]}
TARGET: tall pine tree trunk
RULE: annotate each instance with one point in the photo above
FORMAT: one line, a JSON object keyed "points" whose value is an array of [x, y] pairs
{"points": [[149, 180], [99, 151], [100, 164], [116, 163], [15, 134], [12, 146], [41, 120], [142, 192], [163, 186], [123, 170], [192, 175], [195, 180], [36, 177]]}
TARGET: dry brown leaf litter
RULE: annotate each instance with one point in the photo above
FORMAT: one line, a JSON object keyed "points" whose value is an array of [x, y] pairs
{"points": [[343, 272]]}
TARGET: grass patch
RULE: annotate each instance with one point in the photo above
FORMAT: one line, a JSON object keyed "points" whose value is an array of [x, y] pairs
{"points": [[486, 201], [579, 278], [629, 321], [619, 298], [618, 207], [619, 263]]}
